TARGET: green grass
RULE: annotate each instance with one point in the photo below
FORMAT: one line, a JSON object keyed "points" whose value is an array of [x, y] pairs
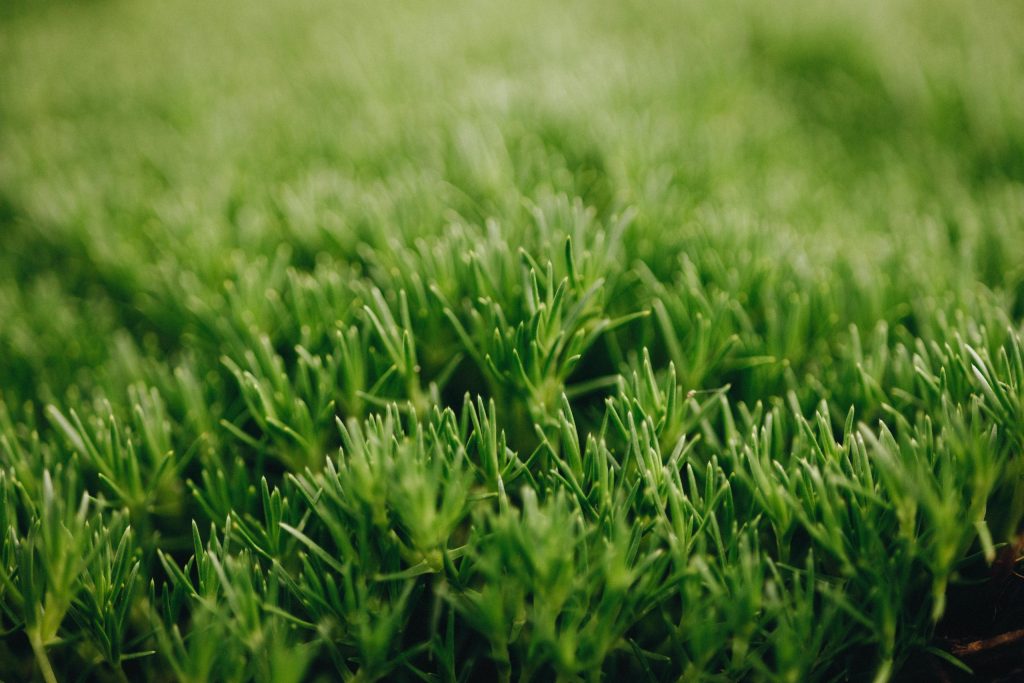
{"points": [[517, 341]]}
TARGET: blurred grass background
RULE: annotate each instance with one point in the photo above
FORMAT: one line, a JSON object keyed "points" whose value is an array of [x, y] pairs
{"points": [[171, 133]]}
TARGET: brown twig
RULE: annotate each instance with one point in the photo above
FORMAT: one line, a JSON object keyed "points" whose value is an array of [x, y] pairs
{"points": [[977, 646]]}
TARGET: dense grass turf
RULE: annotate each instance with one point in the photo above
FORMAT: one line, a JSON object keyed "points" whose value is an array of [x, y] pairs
{"points": [[532, 340]]}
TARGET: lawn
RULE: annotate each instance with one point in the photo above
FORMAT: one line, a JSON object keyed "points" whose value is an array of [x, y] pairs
{"points": [[533, 341]]}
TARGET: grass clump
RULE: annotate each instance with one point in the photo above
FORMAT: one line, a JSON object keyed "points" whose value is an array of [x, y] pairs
{"points": [[509, 341]]}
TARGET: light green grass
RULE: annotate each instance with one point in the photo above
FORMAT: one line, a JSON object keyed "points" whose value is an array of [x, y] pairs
{"points": [[478, 340]]}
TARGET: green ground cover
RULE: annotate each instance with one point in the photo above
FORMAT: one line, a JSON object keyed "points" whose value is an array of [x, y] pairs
{"points": [[509, 341]]}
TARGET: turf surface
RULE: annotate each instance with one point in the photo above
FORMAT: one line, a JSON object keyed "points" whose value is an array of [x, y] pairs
{"points": [[492, 340]]}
